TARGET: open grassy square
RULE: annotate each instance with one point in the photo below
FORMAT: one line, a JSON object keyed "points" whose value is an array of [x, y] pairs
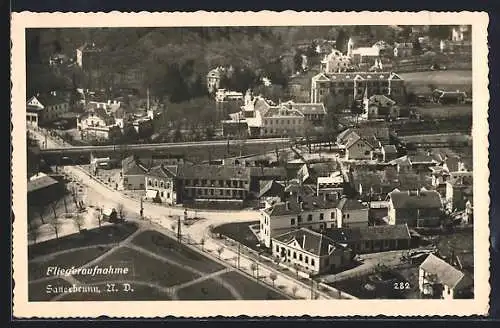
{"points": [[142, 267], [78, 257], [162, 245], [105, 235], [252, 290], [205, 291]]}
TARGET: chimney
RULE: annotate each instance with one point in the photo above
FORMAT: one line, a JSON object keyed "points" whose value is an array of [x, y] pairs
{"points": [[303, 241]]}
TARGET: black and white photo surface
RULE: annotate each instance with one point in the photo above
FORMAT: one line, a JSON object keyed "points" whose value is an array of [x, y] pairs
{"points": [[174, 159]]}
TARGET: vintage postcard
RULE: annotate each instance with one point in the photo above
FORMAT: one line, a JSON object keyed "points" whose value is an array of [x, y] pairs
{"points": [[263, 164]]}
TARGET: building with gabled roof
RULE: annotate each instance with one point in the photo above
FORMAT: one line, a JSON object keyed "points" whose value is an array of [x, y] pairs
{"points": [[132, 174], [303, 210], [351, 213], [418, 208], [310, 251], [45, 108], [371, 239], [354, 84], [162, 184], [438, 279], [313, 112]]}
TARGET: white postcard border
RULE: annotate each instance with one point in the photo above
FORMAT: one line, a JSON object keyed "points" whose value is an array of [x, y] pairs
{"points": [[478, 306]]}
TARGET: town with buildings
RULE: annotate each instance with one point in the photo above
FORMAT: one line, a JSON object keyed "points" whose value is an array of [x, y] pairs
{"points": [[353, 179]]}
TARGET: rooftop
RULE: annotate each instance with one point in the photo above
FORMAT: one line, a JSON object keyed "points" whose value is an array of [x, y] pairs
{"points": [[349, 204], [445, 273], [417, 200], [40, 182], [309, 241], [294, 206], [383, 232]]}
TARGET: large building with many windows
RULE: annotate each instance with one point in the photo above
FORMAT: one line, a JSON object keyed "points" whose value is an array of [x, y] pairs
{"points": [[309, 211], [352, 85]]}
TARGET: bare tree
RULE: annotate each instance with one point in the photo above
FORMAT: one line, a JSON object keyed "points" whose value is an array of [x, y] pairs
{"points": [[98, 217], [273, 276], [220, 250], [120, 210], [56, 225], [79, 220], [53, 205], [34, 231], [253, 267]]}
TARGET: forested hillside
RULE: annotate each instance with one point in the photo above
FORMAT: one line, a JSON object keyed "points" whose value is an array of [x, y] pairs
{"points": [[174, 61]]}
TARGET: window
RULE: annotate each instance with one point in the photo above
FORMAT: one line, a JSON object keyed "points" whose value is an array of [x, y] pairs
{"points": [[168, 195], [307, 260], [299, 218], [211, 192], [288, 252], [347, 215], [277, 248], [161, 184], [295, 255], [343, 216], [309, 217], [321, 216], [156, 183], [333, 215], [161, 194], [292, 222], [300, 257], [312, 261]]}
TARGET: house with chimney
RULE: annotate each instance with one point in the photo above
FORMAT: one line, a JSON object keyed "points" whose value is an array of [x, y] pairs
{"points": [[132, 174], [310, 251], [372, 239], [440, 280], [351, 213], [45, 108], [97, 124], [308, 211], [314, 113], [459, 191], [417, 208], [213, 78], [162, 184]]}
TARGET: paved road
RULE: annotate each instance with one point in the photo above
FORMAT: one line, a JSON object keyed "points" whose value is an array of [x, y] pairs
{"points": [[197, 231]]}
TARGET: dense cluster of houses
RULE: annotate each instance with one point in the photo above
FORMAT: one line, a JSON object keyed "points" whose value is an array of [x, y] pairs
{"points": [[367, 202]]}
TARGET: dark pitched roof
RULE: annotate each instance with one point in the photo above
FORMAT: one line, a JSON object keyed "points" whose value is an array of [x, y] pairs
{"points": [[266, 185], [308, 203], [212, 172], [50, 99], [349, 204], [132, 166], [445, 273], [162, 171], [390, 149], [424, 199], [308, 108], [385, 232], [310, 241], [267, 171]]}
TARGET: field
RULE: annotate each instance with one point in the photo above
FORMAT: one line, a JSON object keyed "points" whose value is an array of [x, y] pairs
{"points": [[158, 268], [419, 82]]}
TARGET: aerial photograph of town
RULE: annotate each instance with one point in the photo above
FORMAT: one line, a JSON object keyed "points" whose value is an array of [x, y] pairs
{"points": [[249, 163]]}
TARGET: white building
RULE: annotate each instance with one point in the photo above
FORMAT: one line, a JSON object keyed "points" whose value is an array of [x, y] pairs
{"points": [[351, 213], [310, 251], [438, 279], [45, 108], [311, 212], [335, 62]]}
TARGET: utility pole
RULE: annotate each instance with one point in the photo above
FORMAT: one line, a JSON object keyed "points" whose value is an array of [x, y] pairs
{"points": [[239, 254], [179, 229], [142, 209]]}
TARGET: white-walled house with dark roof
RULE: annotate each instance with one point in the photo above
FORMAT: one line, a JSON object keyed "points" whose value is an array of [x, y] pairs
{"points": [[310, 251], [417, 208]]}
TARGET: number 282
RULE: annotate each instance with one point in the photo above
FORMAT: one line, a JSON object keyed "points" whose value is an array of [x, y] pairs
{"points": [[401, 285]]}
